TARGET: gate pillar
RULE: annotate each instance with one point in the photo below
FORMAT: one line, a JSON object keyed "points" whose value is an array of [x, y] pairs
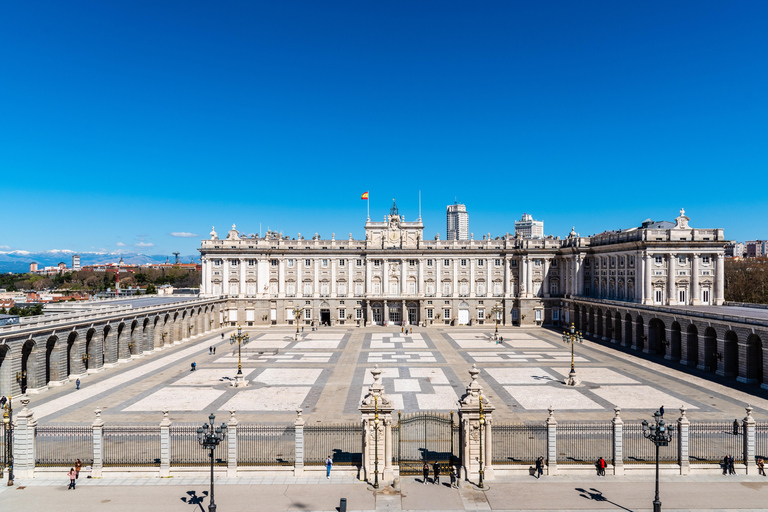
{"points": [[475, 418], [376, 410]]}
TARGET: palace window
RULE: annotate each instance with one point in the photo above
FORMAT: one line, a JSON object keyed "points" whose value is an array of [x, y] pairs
{"points": [[554, 263], [705, 260], [659, 296], [497, 263], [613, 261], [429, 263], [358, 288], [325, 263], [251, 263], [307, 263], [681, 296], [480, 263], [307, 289], [359, 263], [481, 314], [216, 263], [536, 263], [233, 263], [631, 261], [290, 263], [273, 262], [342, 313], [463, 263], [342, 288], [446, 289], [358, 314], [481, 289], [430, 313], [447, 314], [446, 263], [555, 315], [659, 260], [621, 260], [411, 263], [681, 259], [342, 263], [705, 296], [307, 314], [376, 263]]}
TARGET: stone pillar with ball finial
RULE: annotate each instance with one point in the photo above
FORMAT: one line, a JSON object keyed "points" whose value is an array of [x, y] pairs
{"points": [[376, 409], [476, 419]]}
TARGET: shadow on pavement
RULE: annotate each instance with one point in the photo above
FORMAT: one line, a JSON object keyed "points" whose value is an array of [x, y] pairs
{"points": [[595, 495], [194, 499]]}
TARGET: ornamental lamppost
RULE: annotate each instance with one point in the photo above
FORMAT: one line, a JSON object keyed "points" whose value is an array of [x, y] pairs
{"points": [[496, 310], [209, 436], [572, 337], [661, 434], [240, 339], [297, 310], [8, 432], [482, 425], [376, 442]]}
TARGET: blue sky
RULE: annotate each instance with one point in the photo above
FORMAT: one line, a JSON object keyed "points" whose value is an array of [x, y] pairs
{"points": [[126, 122]]}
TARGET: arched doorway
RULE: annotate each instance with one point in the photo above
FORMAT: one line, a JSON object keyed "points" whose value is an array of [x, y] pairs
{"points": [[395, 313], [599, 325], [71, 354], [627, 330], [754, 371], [413, 313], [730, 354], [640, 339], [591, 325], [105, 345], [28, 375], [618, 335], [656, 337], [133, 346], [120, 342], [378, 313], [691, 346], [5, 365], [325, 314], [88, 358], [577, 317], [463, 313], [145, 341], [710, 350], [51, 359]]}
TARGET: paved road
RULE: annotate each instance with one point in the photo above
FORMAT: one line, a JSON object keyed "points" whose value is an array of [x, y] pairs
{"points": [[265, 494]]}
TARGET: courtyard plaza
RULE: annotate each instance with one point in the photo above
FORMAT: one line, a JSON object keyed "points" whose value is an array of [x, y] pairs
{"points": [[326, 372]]}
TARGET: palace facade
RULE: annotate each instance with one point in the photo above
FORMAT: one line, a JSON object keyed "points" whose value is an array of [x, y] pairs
{"points": [[394, 276]]}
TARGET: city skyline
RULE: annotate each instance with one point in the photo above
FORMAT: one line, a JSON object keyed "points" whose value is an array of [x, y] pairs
{"points": [[137, 128]]}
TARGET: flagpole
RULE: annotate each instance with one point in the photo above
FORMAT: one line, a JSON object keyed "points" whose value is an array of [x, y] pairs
{"points": [[368, 203]]}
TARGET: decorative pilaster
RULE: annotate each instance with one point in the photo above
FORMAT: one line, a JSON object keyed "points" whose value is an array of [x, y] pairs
{"points": [[551, 442], [475, 418], [683, 431], [376, 409], [165, 446], [232, 445], [98, 445], [618, 442], [298, 424], [748, 424]]}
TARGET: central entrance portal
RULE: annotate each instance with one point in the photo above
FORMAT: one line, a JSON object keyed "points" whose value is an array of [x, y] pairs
{"points": [[325, 316], [426, 437], [395, 316]]}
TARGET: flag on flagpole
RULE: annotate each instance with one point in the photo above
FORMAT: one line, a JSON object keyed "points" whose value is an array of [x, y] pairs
{"points": [[364, 196]]}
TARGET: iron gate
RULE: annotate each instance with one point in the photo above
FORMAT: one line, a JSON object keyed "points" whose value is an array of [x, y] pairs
{"points": [[425, 437]]}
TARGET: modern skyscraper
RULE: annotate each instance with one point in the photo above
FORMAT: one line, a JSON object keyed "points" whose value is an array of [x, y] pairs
{"points": [[529, 228], [457, 220]]}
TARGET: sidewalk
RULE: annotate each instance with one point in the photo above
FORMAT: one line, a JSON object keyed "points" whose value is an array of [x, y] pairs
{"points": [[277, 494]]}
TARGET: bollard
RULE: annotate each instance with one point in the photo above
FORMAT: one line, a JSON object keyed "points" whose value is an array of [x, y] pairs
{"points": [[343, 505]]}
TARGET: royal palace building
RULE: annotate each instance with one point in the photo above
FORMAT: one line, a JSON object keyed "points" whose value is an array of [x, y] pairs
{"points": [[394, 276]]}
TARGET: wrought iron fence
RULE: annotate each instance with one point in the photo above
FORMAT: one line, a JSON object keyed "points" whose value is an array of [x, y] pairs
{"points": [[266, 444], [186, 449], [761, 439], [584, 443], [639, 450], [710, 441], [131, 445], [62, 445], [343, 443], [519, 443]]}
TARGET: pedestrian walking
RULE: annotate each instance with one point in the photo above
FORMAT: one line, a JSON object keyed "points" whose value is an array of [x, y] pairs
{"points": [[2, 401], [78, 467], [77, 384], [72, 476], [328, 465], [454, 478], [436, 467], [214, 350], [425, 472], [661, 411], [194, 365], [725, 465], [735, 427], [222, 335], [210, 351], [600, 466], [731, 467], [760, 466], [539, 467]]}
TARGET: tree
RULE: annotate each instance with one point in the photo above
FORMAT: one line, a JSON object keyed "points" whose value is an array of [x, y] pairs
{"points": [[151, 289]]}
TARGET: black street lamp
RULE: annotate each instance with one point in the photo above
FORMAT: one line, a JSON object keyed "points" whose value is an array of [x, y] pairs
{"points": [[8, 432], [496, 310], [240, 339], [661, 434], [297, 310], [209, 436], [572, 337]]}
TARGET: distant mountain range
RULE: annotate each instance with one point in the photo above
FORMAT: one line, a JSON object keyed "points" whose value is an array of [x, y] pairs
{"points": [[18, 261]]}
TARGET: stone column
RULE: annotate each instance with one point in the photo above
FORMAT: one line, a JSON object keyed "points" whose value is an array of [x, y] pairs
{"points": [[647, 291], [551, 442], [385, 313], [384, 277], [546, 278], [505, 289], [376, 410], [470, 420], [748, 427], [671, 269], [579, 276], [98, 445], [281, 277], [232, 445], [618, 442], [455, 289], [528, 279], [24, 442], [720, 281], [683, 431], [695, 298], [298, 425], [165, 446]]}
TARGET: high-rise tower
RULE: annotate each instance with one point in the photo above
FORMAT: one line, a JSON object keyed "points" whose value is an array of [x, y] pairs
{"points": [[457, 221]]}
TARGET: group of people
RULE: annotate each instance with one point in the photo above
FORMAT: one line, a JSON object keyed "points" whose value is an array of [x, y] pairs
{"points": [[436, 472], [74, 474], [728, 465]]}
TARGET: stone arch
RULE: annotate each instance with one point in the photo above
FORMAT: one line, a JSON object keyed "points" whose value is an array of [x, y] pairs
{"points": [[29, 365], [754, 366], [52, 360], [591, 322], [640, 339], [730, 354], [134, 345], [691, 346], [120, 344], [675, 342], [146, 344], [656, 337], [608, 326], [710, 350], [89, 361], [577, 317], [599, 323], [618, 333], [627, 330], [5, 368], [73, 365]]}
